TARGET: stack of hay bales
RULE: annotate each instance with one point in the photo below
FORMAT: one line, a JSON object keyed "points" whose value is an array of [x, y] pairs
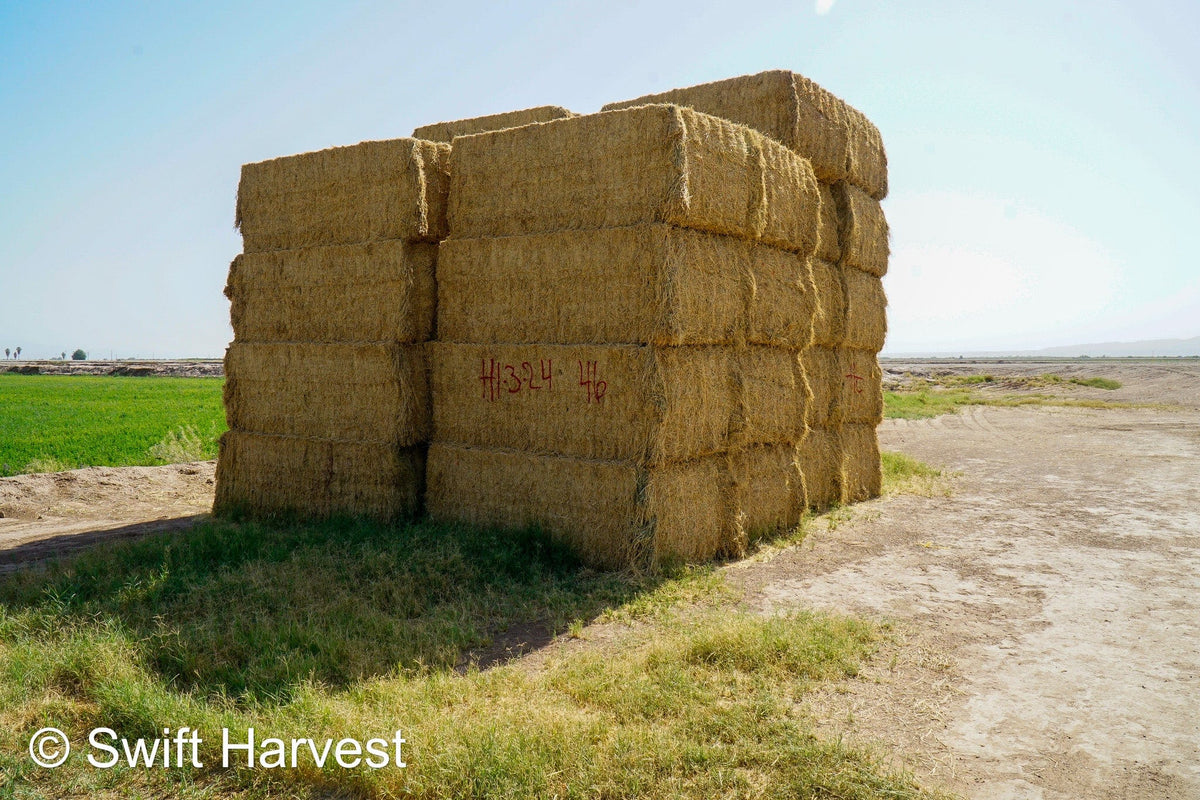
{"points": [[333, 300], [840, 456], [623, 301]]}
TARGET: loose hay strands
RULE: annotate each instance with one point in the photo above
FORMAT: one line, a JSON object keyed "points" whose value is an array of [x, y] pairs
{"points": [[446, 131], [644, 284], [866, 311], [820, 458], [304, 295], [642, 404], [358, 392], [613, 513], [862, 230], [646, 164], [265, 475], [862, 474], [829, 324], [394, 189], [861, 398], [787, 107]]}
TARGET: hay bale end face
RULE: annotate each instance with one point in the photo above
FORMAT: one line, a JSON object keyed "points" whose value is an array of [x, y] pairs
{"points": [[304, 295], [446, 131], [768, 483], [345, 392], [862, 472], [829, 248], [820, 458], [394, 189], [264, 475], [861, 400], [862, 230], [866, 311], [640, 165], [829, 321], [775, 396]]}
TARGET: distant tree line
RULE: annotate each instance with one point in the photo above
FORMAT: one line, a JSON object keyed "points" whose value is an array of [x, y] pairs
{"points": [[79, 355]]}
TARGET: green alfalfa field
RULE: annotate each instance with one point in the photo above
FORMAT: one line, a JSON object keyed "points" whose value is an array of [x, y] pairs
{"points": [[50, 423]]}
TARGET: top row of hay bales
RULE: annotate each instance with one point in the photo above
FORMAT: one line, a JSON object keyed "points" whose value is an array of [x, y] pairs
{"points": [[669, 251]]}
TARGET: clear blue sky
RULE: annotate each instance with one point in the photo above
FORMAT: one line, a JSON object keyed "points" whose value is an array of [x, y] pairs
{"points": [[1045, 157]]}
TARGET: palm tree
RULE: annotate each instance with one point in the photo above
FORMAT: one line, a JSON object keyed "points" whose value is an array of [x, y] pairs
{"points": [[7, 352], [18, 352]]}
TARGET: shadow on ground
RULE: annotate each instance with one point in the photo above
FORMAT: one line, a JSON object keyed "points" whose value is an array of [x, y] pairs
{"points": [[250, 610]]}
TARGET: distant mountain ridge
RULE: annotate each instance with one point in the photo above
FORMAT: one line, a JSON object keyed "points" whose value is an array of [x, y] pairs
{"points": [[1161, 348]]}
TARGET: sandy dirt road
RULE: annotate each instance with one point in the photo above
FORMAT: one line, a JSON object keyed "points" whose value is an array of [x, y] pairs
{"points": [[1050, 606]]}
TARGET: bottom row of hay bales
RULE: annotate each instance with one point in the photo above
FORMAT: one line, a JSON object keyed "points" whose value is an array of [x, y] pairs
{"points": [[637, 454], [616, 512], [668, 452]]}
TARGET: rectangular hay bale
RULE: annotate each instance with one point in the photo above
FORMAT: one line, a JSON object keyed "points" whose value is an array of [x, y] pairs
{"points": [[352, 392], [642, 284], [823, 370], [867, 165], [768, 489], [265, 475], [820, 458], [647, 164], [866, 311], [373, 292], [446, 131], [642, 404], [829, 322], [862, 473], [613, 513], [393, 189], [861, 399], [775, 396], [783, 304], [862, 230], [785, 106]]}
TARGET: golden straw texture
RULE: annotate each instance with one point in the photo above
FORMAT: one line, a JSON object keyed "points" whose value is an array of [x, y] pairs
{"points": [[394, 189], [446, 131]]}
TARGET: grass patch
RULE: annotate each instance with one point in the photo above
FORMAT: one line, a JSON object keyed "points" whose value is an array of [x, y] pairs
{"points": [[353, 629], [926, 402], [56, 422], [906, 475], [1097, 383]]}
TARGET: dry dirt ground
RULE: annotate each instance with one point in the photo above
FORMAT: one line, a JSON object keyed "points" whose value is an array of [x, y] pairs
{"points": [[55, 513], [1044, 615]]}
